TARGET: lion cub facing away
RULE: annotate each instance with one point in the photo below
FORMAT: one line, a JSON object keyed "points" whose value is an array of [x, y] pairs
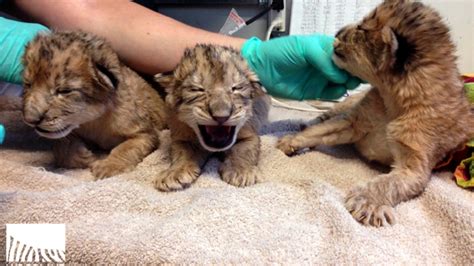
{"points": [[77, 91], [216, 104], [414, 115]]}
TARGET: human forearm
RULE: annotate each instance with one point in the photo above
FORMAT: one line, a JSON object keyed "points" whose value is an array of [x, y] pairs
{"points": [[146, 40]]}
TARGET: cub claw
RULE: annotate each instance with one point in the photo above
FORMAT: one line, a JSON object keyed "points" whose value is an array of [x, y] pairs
{"points": [[367, 211], [176, 179], [284, 144]]}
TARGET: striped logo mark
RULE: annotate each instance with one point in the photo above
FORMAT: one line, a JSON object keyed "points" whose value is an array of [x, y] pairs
{"points": [[36, 243]]}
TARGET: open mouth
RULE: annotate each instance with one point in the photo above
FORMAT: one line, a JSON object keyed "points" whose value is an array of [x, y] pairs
{"points": [[54, 134], [217, 137]]}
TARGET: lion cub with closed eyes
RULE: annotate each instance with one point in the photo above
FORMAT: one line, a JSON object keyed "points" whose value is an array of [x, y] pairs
{"points": [[415, 114], [216, 105], [78, 91]]}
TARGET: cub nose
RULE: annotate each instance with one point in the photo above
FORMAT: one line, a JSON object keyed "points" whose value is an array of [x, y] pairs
{"points": [[32, 119], [221, 119]]}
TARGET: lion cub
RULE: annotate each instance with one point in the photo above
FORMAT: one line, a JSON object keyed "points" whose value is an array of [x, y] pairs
{"points": [[77, 91], [414, 115], [216, 104]]}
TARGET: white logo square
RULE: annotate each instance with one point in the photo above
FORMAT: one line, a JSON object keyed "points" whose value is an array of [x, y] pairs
{"points": [[31, 243]]}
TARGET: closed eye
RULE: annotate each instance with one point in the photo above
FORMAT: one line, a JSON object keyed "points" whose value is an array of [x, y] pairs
{"points": [[238, 88], [65, 91], [193, 98], [196, 89]]}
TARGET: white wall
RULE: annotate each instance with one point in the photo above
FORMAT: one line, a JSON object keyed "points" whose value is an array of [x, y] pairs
{"points": [[460, 16]]}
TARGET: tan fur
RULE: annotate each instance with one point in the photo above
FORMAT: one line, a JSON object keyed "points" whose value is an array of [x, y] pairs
{"points": [[74, 82], [213, 83], [416, 113]]}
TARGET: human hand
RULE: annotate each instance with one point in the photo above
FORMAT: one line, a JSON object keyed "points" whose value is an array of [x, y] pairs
{"points": [[14, 36], [298, 67]]}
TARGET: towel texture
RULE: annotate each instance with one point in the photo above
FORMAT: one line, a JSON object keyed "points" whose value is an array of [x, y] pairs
{"points": [[295, 214]]}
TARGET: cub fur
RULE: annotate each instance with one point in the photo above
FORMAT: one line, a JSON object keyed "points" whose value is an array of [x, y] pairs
{"points": [[78, 91], [216, 104], [415, 114]]}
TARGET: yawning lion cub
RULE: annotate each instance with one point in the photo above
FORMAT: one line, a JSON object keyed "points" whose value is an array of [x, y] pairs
{"points": [[216, 104]]}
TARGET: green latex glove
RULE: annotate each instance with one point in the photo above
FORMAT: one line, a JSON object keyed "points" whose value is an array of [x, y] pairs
{"points": [[298, 67], [2, 133], [14, 36]]}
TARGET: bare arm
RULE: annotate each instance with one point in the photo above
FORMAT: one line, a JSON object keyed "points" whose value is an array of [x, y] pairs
{"points": [[146, 40]]}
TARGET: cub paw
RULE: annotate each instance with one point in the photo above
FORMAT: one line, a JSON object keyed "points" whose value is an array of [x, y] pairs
{"points": [[81, 158], [84, 158], [285, 145], [176, 178], [238, 176], [366, 210], [106, 168]]}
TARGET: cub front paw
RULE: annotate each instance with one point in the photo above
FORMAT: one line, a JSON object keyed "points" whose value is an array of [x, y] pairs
{"points": [[176, 178], [239, 176], [79, 157], [368, 210], [106, 168], [285, 145], [84, 157]]}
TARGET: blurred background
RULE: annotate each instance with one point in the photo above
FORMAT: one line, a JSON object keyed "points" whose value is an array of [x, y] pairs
{"points": [[211, 15]]}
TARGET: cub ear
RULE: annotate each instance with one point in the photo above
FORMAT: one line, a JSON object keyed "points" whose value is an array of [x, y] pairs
{"points": [[105, 77], [258, 89], [105, 63], [389, 58], [167, 81], [389, 38]]}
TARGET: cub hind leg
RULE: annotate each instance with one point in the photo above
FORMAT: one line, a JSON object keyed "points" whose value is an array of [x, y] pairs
{"points": [[337, 126], [343, 107], [337, 130]]}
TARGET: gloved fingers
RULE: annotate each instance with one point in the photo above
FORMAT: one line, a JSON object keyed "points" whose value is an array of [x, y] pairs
{"points": [[314, 87], [352, 83], [288, 86], [283, 90], [333, 92], [318, 52]]}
